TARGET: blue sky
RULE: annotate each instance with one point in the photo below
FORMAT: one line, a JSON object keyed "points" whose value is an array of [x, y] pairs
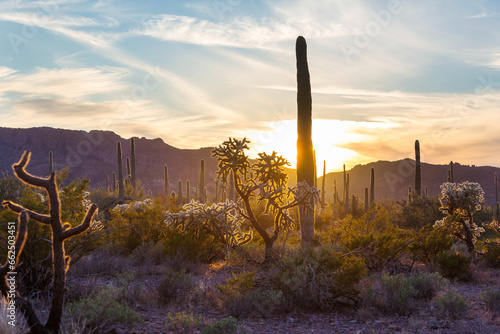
{"points": [[384, 73]]}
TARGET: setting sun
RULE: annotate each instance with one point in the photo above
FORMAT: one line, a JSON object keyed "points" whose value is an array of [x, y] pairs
{"points": [[330, 138]]}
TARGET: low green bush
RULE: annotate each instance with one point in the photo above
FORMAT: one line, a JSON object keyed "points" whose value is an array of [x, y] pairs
{"points": [[223, 326], [491, 298], [492, 254], [103, 309], [455, 265], [174, 286], [426, 285], [183, 323], [316, 278], [451, 304], [397, 294]]}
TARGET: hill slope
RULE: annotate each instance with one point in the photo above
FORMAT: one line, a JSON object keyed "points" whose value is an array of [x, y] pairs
{"points": [[93, 155]]}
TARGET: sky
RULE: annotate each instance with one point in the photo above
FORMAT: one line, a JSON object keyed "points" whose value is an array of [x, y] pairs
{"points": [[383, 74]]}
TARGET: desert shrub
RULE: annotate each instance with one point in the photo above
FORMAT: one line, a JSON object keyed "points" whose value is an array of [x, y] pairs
{"points": [[316, 278], [100, 262], [491, 298], [455, 265], [375, 238], [429, 243], [421, 211], [175, 285], [239, 297], [103, 309], [492, 253], [193, 246], [426, 285], [136, 223], [183, 323], [148, 253], [397, 294], [451, 304], [236, 295], [223, 326]]}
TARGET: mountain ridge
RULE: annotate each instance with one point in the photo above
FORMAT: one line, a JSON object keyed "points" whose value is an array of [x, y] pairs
{"points": [[92, 155]]}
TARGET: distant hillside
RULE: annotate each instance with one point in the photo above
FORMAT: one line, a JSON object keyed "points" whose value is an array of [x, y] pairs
{"points": [[93, 155], [392, 179]]}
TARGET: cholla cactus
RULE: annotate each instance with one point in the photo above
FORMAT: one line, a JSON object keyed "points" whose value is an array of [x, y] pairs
{"points": [[459, 201], [224, 221], [268, 182]]}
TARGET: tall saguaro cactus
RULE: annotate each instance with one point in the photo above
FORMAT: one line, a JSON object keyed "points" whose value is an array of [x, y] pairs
{"points": [[180, 196], [366, 199], [345, 182], [188, 192], [323, 186], [165, 180], [121, 190], [346, 203], [132, 163], [418, 169], [202, 182], [372, 186], [51, 162], [60, 233], [305, 158], [450, 173]]}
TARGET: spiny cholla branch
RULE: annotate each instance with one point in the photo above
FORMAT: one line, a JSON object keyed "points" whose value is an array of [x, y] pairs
{"points": [[221, 220]]}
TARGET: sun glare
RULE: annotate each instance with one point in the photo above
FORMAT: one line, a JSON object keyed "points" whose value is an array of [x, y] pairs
{"points": [[328, 138]]}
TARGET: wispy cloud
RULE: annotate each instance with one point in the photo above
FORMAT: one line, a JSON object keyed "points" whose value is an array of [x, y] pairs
{"points": [[66, 83]]}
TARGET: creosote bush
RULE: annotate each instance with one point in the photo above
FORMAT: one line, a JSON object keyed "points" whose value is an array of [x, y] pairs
{"points": [[223, 326], [455, 265], [316, 278], [175, 285], [491, 298], [183, 323], [375, 238], [103, 309], [397, 294], [451, 304], [239, 297]]}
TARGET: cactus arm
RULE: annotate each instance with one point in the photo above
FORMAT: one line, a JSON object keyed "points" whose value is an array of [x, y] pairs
{"points": [[44, 219], [83, 226]]}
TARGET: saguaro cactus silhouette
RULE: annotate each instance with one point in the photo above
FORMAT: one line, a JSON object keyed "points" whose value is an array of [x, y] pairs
{"points": [[305, 158], [121, 190], [372, 185], [60, 233], [132, 163], [165, 180], [323, 186], [51, 162], [450, 173], [202, 197], [418, 169], [366, 199], [180, 196]]}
